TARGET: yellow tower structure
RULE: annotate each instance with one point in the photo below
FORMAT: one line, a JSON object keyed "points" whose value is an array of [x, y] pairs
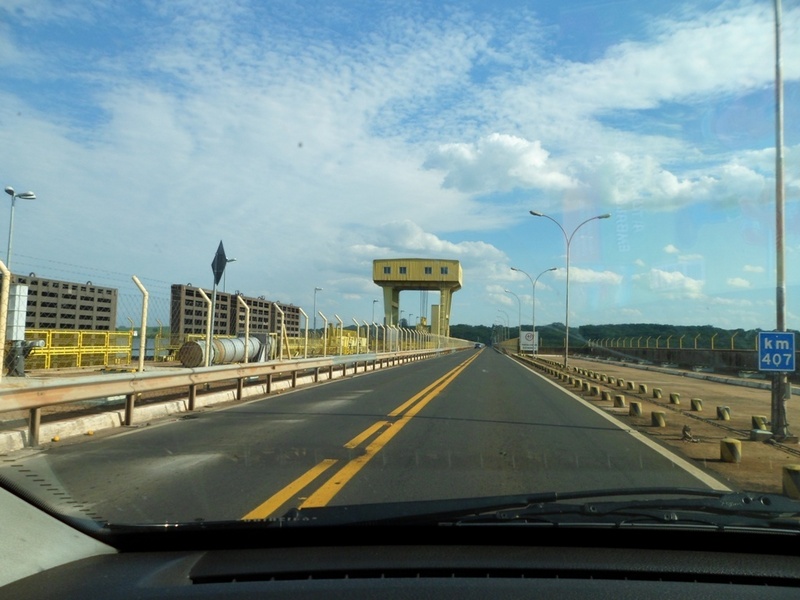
{"points": [[398, 274]]}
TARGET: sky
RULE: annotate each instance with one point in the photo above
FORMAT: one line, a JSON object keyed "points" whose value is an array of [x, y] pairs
{"points": [[312, 137]]}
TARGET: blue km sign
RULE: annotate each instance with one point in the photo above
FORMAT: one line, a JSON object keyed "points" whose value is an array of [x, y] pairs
{"points": [[776, 351]]}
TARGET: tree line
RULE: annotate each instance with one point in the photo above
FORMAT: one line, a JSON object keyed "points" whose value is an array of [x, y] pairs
{"points": [[627, 334]]}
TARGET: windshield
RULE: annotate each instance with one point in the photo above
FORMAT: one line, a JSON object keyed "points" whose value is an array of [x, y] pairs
{"points": [[477, 254]]}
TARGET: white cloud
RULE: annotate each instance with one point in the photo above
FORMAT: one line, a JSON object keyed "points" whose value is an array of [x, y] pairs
{"points": [[739, 282], [753, 269], [670, 249], [581, 275], [639, 262], [673, 284], [498, 162]]}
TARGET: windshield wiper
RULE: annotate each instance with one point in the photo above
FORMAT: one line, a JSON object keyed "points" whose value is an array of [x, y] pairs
{"points": [[625, 506], [733, 509]]}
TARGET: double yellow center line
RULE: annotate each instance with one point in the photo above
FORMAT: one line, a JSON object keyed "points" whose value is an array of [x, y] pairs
{"points": [[385, 431]]}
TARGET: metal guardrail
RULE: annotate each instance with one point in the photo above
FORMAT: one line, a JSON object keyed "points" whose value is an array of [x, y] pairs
{"points": [[37, 394]]}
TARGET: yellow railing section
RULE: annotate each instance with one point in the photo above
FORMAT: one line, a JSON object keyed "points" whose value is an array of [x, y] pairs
{"points": [[75, 348], [64, 348]]}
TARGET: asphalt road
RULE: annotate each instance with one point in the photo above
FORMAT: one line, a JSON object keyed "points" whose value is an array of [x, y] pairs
{"points": [[474, 423]]}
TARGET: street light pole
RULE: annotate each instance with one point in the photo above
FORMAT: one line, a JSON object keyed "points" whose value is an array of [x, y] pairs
{"points": [[568, 240], [25, 196], [519, 319], [533, 299], [781, 388], [507, 321], [316, 289], [225, 275]]}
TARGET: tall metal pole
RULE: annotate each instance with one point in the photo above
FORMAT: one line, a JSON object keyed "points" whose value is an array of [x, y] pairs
{"points": [[568, 240], [25, 196], [781, 390], [10, 229], [519, 319], [533, 292], [533, 300]]}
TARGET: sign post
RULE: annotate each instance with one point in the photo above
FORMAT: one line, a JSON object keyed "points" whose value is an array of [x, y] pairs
{"points": [[776, 354], [218, 268]]}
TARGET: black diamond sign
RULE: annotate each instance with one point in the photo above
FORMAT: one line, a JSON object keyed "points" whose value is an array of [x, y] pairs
{"points": [[218, 264]]}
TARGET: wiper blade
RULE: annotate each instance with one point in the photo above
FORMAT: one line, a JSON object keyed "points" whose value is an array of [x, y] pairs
{"points": [[614, 507], [730, 509], [435, 512]]}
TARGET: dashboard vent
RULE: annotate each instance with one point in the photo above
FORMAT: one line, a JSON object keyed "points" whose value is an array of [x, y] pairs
{"points": [[473, 573]]}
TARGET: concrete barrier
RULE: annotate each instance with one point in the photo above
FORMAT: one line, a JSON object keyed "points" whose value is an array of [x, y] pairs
{"points": [[635, 409], [791, 481], [730, 450], [656, 392], [696, 404], [724, 413], [658, 419], [619, 401], [642, 388], [674, 398], [759, 422]]}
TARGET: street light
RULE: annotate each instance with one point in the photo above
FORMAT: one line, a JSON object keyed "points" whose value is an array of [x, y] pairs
{"points": [[25, 196], [507, 320], [316, 289], [533, 299], [519, 318], [568, 240], [225, 275]]}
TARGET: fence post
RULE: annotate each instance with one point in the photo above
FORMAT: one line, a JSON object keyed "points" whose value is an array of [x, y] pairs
{"points": [[130, 400], [143, 332], [33, 426]]}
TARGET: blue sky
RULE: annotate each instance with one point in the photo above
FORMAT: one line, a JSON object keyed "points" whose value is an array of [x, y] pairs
{"points": [[313, 137]]}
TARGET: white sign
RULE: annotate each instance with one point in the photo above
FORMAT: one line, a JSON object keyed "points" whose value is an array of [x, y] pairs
{"points": [[529, 343]]}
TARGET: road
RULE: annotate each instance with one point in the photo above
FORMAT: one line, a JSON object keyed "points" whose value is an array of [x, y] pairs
{"points": [[468, 424]]}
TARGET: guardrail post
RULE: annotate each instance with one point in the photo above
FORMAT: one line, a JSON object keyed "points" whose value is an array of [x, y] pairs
{"points": [[33, 427], [240, 386], [130, 400], [294, 378], [269, 383], [192, 396]]}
